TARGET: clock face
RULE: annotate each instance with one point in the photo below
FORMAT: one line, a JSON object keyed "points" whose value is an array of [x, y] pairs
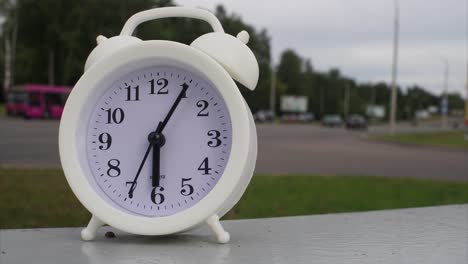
{"points": [[189, 147]]}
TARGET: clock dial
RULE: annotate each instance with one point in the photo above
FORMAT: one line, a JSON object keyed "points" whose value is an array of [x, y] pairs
{"points": [[197, 141]]}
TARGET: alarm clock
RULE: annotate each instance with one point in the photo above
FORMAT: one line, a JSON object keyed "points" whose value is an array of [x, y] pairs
{"points": [[156, 138]]}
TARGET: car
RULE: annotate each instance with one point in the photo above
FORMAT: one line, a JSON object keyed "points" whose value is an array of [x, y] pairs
{"points": [[332, 121], [356, 122], [306, 117], [288, 118], [264, 116]]}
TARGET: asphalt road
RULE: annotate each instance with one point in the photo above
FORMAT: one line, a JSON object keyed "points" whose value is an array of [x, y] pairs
{"points": [[334, 151], [285, 149]]}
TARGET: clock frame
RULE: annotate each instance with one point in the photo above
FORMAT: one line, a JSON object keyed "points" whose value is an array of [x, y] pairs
{"points": [[93, 84]]}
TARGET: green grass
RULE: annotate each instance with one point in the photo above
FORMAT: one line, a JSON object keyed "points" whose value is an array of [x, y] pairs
{"points": [[449, 139], [41, 197], [2, 109]]}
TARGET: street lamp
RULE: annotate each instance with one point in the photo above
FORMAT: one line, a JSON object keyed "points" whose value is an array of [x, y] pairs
{"points": [[466, 80], [393, 96], [273, 89], [444, 101]]}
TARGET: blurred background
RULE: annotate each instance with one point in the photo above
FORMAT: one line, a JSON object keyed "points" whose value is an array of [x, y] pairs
{"points": [[361, 105]]}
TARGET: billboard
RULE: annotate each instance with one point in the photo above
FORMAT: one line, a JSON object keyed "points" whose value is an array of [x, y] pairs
{"points": [[294, 104], [375, 111]]}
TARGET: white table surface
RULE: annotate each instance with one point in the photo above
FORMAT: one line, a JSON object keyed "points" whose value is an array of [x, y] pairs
{"points": [[420, 235]]}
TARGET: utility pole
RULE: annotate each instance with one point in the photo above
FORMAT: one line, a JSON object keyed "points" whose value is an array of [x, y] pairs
{"points": [[393, 96], [444, 102], [373, 95], [273, 89], [322, 101], [346, 102], [466, 77]]}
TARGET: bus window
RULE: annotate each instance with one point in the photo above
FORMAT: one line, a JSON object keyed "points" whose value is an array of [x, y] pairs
{"points": [[64, 98], [53, 99], [11, 98], [20, 98], [34, 99]]}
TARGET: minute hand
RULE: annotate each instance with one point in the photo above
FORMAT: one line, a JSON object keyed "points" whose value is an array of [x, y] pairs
{"points": [[174, 106], [158, 130]]}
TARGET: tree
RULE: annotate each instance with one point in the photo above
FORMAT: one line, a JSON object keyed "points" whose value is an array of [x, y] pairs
{"points": [[9, 11], [56, 36], [290, 72], [48, 41]]}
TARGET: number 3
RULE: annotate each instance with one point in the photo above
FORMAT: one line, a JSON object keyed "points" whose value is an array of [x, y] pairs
{"points": [[215, 134]]}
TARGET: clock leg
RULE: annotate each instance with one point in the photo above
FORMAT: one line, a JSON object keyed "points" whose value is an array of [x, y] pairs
{"points": [[89, 233], [221, 235]]}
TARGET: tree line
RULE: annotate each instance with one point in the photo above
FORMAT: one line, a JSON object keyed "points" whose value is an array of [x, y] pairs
{"points": [[332, 93], [48, 42]]}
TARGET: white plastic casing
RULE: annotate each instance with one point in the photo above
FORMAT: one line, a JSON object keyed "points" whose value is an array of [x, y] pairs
{"points": [[217, 57], [107, 46], [231, 52], [92, 84]]}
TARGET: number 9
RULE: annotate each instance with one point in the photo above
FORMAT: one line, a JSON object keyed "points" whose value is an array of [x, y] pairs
{"points": [[105, 138]]}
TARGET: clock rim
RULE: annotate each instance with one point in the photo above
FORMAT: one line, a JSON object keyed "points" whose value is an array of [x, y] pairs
{"points": [[126, 60]]}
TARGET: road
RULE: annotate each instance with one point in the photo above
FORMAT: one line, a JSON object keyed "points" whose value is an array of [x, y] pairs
{"points": [[312, 149], [283, 149]]}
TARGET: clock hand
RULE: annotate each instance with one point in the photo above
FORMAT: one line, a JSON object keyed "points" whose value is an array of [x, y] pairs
{"points": [[150, 146], [156, 165], [132, 187], [157, 140], [158, 132], [174, 106]]}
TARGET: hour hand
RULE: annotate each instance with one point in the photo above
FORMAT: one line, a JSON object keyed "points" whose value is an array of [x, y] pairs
{"points": [[156, 165], [157, 140]]}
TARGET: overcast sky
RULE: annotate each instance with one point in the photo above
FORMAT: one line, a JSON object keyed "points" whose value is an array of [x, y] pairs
{"points": [[356, 36]]}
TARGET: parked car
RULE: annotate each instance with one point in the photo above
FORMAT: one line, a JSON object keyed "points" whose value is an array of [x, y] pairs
{"points": [[356, 122], [332, 121], [306, 117], [264, 116], [297, 117]]}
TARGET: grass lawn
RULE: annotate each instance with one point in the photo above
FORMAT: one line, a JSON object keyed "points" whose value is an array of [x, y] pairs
{"points": [[41, 197], [450, 139], [2, 109]]}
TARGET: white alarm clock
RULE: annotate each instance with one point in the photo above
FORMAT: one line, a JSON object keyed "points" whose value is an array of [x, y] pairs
{"points": [[155, 137]]}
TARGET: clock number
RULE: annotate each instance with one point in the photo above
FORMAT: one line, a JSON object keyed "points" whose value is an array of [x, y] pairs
{"points": [[186, 191], [160, 82], [203, 105], [133, 186], [157, 198], [114, 170], [105, 138], [205, 167], [116, 116], [129, 93], [214, 134]]}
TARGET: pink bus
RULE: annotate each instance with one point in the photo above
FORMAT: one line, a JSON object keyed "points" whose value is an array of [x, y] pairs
{"points": [[37, 101]]}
